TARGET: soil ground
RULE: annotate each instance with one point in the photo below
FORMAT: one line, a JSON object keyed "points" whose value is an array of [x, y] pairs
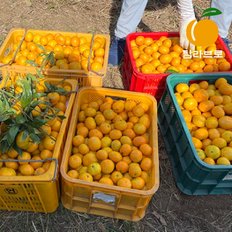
{"points": [[169, 209]]}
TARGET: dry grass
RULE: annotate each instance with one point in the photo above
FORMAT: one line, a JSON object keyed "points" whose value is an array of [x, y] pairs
{"points": [[169, 210]]}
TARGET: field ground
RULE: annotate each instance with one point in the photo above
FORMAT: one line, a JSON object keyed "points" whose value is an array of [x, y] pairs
{"points": [[169, 210]]}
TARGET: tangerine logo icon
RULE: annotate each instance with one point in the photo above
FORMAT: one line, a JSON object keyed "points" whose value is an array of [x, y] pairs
{"points": [[204, 32]]}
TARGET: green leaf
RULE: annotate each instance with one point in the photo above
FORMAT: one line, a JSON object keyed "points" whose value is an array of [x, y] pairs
{"points": [[41, 47], [32, 63], [20, 119], [4, 146], [11, 134], [211, 12], [35, 138], [26, 96], [171, 71], [25, 135]]}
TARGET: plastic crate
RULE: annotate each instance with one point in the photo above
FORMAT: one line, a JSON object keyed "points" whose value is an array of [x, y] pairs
{"points": [[38, 193], [89, 77], [192, 175], [153, 84], [101, 199]]}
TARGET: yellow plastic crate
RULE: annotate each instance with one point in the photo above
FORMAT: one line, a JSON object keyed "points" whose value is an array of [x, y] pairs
{"points": [[101, 199], [86, 78], [38, 193]]}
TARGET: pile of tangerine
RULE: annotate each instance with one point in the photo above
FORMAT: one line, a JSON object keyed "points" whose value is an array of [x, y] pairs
{"points": [[70, 52], [164, 54]]}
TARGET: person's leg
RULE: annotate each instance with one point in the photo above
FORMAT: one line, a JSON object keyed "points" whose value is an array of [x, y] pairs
{"points": [[130, 16], [223, 20]]}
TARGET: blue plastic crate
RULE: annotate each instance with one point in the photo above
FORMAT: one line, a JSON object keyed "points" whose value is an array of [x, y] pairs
{"points": [[192, 175]]}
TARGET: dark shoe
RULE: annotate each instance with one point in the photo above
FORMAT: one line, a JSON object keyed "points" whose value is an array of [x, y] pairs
{"points": [[228, 43], [116, 51]]}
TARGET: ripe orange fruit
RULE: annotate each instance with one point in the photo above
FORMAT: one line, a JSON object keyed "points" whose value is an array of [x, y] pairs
{"points": [[201, 95], [201, 133], [205, 106], [190, 103], [139, 40], [146, 149], [218, 111], [26, 170], [197, 143], [134, 170], [115, 176], [163, 49], [107, 166], [124, 182], [45, 154], [209, 160], [122, 166], [211, 122], [224, 66], [165, 58]]}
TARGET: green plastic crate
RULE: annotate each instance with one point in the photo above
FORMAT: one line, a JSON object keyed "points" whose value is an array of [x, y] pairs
{"points": [[192, 175]]}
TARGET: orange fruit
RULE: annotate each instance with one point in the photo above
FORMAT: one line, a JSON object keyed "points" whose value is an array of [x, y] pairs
{"points": [[220, 81], [197, 143], [225, 122], [219, 142], [26, 170], [125, 149], [115, 176], [206, 106], [124, 182], [139, 140], [107, 166], [190, 103], [228, 108], [147, 68], [224, 66], [223, 161], [163, 49], [201, 133], [134, 170], [209, 160], [12, 153], [212, 151], [182, 87], [146, 164], [146, 149], [138, 183], [201, 95], [217, 100], [213, 133], [122, 166], [211, 122], [218, 111], [136, 156], [165, 58], [194, 87], [77, 140], [94, 143], [74, 161], [115, 156], [139, 40], [45, 154], [86, 176], [194, 66], [225, 89], [106, 180]]}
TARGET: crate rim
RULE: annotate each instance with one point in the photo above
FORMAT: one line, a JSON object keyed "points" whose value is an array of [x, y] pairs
{"points": [[170, 35], [50, 71], [106, 187], [197, 76]]}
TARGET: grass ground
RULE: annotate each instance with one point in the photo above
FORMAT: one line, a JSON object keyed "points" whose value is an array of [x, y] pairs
{"points": [[169, 209]]}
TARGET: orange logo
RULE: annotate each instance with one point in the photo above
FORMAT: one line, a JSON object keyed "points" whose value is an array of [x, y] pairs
{"points": [[204, 32]]}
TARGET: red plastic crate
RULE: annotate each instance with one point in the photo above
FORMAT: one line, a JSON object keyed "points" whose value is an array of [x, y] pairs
{"points": [[153, 84]]}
